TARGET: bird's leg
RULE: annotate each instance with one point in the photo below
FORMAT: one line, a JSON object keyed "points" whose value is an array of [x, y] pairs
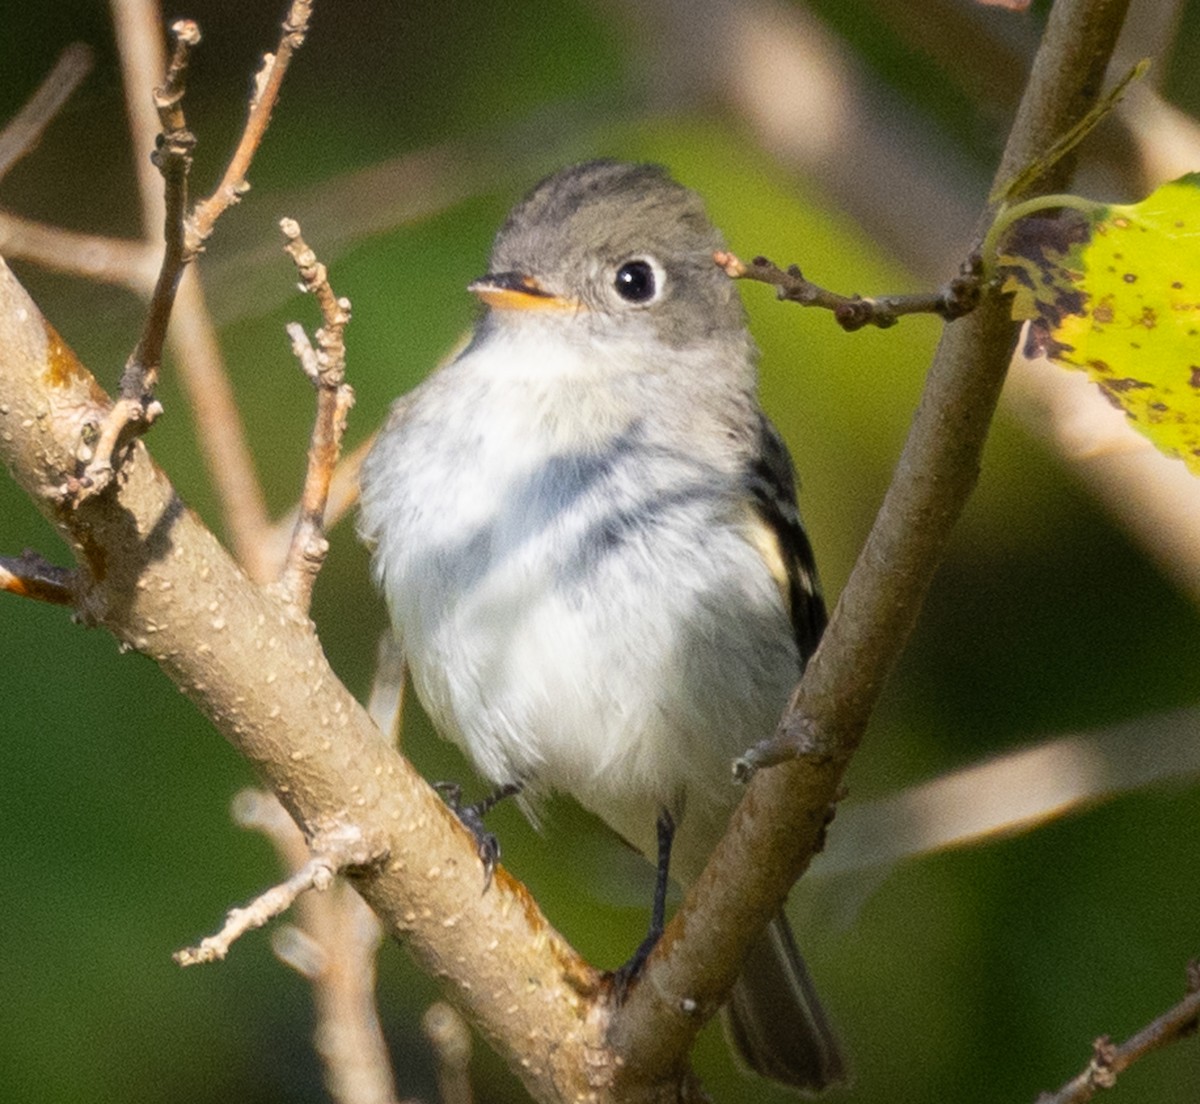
{"points": [[471, 816], [627, 974]]}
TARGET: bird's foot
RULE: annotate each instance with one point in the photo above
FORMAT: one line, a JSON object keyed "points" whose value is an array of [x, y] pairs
{"points": [[487, 846], [624, 977]]}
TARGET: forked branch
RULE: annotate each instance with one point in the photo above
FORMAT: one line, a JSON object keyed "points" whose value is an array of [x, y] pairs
{"points": [[185, 234], [325, 366]]}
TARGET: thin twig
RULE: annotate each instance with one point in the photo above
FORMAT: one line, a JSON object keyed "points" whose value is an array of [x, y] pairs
{"points": [[220, 430], [1109, 1059], [344, 489], [941, 460], [137, 408], [336, 939], [267, 84], [325, 366], [317, 873], [25, 128], [332, 945], [31, 576], [173, 158], [853, 312], [338, 849], [343, 496]]}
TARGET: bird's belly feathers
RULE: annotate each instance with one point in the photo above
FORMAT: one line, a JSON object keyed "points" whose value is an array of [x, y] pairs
{"points": [[596, 623]]}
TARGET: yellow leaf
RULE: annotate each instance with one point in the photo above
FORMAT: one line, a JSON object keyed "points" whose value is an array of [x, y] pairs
{"points": [[1115, 291]]}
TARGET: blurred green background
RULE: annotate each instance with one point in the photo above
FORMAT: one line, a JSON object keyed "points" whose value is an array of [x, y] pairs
{"points": [[978, 975]]}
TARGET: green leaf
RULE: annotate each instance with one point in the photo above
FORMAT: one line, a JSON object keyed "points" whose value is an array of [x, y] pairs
{"points": [[1115, 291]]}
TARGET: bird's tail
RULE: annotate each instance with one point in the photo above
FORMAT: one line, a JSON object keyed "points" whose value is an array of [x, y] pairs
{"points": [[776, 1022]]}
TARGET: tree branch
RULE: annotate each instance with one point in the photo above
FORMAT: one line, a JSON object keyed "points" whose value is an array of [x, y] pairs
{"points": [[185, 234], [137, 408], [338, 851], [25, 128], [853, 312], [162, 584], [325, 366], [336, 937], [220, 431], [267, 83], [1109, 1059], [173, 158], [1002, 795], [780, 823], [140, 34], [128, 264], [30, 576]]}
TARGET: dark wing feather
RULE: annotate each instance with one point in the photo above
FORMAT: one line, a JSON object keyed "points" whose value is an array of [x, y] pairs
{"points": [[772, 484]]}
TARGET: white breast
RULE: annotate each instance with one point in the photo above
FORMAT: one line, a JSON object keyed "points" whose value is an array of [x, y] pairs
{"points": [[586, 617]]}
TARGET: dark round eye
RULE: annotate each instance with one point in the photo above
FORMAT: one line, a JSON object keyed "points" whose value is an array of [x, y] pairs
{"points": [[636, 281]]}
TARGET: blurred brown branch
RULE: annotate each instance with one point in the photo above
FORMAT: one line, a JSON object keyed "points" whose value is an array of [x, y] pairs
{"points": [[451, 1041], [22, 132], [127, 264], [1014, 792], [334, 942]]}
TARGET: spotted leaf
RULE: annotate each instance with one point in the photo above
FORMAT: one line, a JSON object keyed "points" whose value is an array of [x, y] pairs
{"points": [[1115, 291]]}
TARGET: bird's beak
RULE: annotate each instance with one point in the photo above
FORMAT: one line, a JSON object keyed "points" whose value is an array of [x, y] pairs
{"points": [[514, 291]]}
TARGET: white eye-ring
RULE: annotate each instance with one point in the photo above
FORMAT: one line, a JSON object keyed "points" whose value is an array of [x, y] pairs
{"points": [[639, 280]]}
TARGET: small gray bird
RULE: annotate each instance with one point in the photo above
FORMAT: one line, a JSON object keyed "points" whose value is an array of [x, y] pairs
{"points": [[587, 534]]}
